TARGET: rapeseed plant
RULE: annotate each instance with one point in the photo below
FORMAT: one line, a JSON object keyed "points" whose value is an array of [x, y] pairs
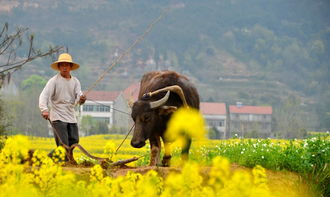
{"points": [[46, 178], [184, 125], [186, 122], [96, 173], [110, 149], [15, 150]]}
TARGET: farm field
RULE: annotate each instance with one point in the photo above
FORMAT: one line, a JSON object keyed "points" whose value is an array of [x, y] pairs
{"points": [[230, 167]]}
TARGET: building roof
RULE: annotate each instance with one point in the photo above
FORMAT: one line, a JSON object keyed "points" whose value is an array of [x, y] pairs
{"points": [[213, 108], [102, 95], [132, 91], [245, 109]]}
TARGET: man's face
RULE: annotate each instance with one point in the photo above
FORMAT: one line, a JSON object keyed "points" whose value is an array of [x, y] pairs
{"points": [[65, 68]]}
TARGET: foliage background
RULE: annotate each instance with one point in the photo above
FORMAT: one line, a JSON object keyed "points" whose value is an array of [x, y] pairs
{"points": [[256, 52]]}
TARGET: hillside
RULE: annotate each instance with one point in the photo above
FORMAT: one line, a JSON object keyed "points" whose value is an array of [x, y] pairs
{"points": [[256, 52]]}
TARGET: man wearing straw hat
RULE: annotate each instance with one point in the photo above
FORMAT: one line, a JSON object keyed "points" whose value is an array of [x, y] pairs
{"points": [[61, 93]]}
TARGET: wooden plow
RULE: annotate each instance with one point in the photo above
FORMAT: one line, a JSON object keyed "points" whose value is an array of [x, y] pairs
{"points": [[104, 162]]}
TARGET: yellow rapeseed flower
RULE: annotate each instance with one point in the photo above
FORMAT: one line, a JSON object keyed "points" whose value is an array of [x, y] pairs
{"points": [[259, 175], [59, 154], [110, 149], [15, 150], [220, 171], [96, 173], [186, 122]]}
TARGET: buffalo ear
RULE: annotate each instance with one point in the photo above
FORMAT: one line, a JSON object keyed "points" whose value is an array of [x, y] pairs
{"points": [[130, 103], [166, 110]]}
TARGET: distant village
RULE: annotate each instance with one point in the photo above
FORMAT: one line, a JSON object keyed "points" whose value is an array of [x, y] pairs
{"points": [[223, 121]]}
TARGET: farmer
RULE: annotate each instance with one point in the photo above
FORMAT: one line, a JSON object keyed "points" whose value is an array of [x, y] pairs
{"points": [[58, 99]]}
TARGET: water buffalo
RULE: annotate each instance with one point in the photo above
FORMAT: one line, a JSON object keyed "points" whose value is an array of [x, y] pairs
{"points": [[161, 93]]}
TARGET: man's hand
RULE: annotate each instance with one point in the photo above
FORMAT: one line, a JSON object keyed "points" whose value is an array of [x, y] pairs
{"points": [[82, 99], [45, 115]]}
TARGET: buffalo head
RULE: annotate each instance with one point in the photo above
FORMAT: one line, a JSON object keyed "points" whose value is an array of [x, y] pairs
{"points": [[146, 118]]}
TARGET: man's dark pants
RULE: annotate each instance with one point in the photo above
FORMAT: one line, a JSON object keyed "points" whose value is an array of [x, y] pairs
{"points": [[68, 133]]}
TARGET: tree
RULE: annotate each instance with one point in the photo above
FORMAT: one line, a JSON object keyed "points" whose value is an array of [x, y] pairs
{"points": [[16, 49], [101, 127], [24, 110], [14, 44], [323, 110], [289, 119], [4, 122], [86, 124], [92, 126], [33, 84]]}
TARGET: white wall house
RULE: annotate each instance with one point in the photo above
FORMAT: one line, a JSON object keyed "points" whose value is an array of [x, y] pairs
{"points": [[244, 120], [114, 109], [99, 105], [215, 115], [122, 120]]}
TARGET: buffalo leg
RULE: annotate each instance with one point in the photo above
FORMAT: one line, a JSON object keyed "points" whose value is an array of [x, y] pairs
{"points": [[155, 147], [167, 155], [185, 149]]}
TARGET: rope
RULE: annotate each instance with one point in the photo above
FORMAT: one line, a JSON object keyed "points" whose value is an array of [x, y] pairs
{"points": [[139, 39], [118, 111], [124, 138], [123, 113]]}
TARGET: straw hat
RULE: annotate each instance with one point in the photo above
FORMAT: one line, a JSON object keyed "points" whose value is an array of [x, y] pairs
{"points": [[64, 57]]}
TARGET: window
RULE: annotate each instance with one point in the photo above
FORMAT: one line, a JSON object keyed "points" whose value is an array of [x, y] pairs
{"points": [[215, 123], [88, 107], [96, 108], [104, 108]]}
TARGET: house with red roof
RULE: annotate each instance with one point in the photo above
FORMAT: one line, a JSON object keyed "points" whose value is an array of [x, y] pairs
{"points": [[215, 115], [250, 121], [113, 108], [131, 93]]}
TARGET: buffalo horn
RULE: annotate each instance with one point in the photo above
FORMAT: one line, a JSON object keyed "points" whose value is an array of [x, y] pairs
{"points": [[160, 102], [175, 88]]}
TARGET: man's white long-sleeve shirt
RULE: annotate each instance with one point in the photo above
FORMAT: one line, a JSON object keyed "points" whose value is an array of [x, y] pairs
{"points": [[59, 98]]}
